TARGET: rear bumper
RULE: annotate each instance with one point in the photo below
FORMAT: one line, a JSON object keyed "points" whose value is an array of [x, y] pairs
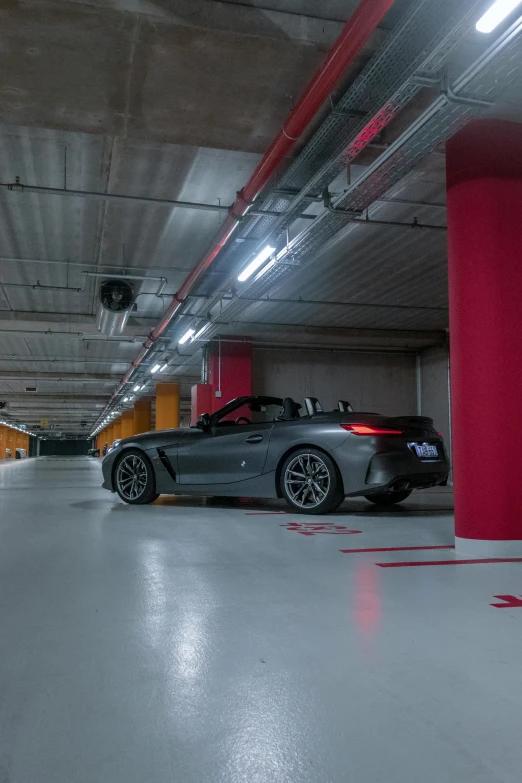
{"points": [[402, 470]]}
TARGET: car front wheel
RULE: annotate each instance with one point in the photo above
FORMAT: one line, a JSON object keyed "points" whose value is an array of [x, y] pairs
{"points": [[311, 482], [134, 478], [389, 498]]}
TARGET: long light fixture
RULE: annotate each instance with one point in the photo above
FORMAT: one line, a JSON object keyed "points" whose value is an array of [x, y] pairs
{"points": [[188, 334], [155, 368], [496, 14], [256, 263], [137, 388]]}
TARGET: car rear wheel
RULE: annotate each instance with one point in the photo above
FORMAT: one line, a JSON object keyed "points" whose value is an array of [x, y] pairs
{"points": [[389, 498], [311, 482], [134, 478]]}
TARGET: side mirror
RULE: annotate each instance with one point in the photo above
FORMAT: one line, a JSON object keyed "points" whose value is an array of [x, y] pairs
{"points": [[203, 422]]}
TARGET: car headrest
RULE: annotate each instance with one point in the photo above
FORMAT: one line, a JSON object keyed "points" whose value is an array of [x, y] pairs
{"points": [[313, 406], [290, 410], [344, 406]]}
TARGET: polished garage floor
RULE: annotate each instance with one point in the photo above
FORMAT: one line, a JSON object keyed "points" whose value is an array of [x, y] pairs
{"points": [[189, 642]]}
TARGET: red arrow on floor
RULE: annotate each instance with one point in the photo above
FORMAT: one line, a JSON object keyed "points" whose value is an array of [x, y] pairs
{"points": [[510, 601]]}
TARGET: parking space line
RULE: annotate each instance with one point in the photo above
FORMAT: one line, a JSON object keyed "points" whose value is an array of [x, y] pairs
{"points": [[396, 548], [451, 562]]}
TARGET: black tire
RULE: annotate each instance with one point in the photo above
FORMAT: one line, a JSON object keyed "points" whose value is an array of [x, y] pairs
{"points": [[134, 478], [389, 498], [320, 490]]}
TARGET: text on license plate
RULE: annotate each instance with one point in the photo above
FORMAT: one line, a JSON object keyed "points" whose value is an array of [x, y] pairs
{"points": [[425, 450]]}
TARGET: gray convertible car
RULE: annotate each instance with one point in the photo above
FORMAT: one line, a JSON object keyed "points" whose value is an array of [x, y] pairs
{"points": [[263, 447]]}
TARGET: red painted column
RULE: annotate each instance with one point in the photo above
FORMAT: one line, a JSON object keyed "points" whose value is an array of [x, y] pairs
{"points": [[229, 375], [484, 182], [229, 372]]}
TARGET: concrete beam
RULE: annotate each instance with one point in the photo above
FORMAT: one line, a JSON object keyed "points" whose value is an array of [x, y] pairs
{"points": [[166, 72], [334, 336], [257, 18]]}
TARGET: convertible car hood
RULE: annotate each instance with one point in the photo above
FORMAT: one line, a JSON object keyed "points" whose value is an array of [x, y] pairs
{"points": [[155, 440]]}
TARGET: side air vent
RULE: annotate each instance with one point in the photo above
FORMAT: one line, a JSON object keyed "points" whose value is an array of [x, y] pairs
{"points": [[166, 464]]}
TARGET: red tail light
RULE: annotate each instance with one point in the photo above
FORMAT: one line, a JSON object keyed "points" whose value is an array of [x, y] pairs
{"points": [[364, 429]]}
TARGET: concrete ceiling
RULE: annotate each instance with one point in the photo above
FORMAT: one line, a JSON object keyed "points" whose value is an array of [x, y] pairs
{"points": [[178, 99]]}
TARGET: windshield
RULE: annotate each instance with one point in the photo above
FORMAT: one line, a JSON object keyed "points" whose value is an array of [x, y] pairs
{"points": [[259, 410]]}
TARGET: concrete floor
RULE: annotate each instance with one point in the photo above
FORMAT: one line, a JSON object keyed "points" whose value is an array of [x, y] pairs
{"points": [[190, 642]]}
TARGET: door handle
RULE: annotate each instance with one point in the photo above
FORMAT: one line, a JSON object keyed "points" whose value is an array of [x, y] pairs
{"points": [[254, 439]]}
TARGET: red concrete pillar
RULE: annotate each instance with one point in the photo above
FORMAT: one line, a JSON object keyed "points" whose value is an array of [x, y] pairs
{"points": [[229, 375], [200, 401], [229, 371], [484, 182]]}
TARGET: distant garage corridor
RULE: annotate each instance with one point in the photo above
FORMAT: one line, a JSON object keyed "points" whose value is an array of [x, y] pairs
{"points": [[191, 640]]}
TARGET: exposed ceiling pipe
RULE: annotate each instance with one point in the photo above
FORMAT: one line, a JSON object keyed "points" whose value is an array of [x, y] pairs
{"points": [[357, 31], [19, 187], [59, 359], [38, 287]]}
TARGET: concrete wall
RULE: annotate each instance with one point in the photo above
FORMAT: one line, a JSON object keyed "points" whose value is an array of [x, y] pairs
{"points": [[383, 383], [435, 397], [434, 388], [64, 448]]}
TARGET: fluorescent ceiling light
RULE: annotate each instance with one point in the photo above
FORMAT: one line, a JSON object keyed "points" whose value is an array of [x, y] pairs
{"points": [[188, 334], [496, 14], [155, 368], [162, 369], [136, 388], [257, 262], [125, 399]]}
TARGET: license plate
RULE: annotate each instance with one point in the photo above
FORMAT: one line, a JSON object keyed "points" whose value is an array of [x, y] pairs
{"points": [[426, 451]]}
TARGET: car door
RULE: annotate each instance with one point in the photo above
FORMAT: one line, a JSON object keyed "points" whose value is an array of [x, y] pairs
{"points": [[226, 454]]}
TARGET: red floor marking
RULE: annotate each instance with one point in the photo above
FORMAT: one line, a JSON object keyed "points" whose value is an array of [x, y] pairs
{"points": [[510, 601], [451, 562], [396, 548]]}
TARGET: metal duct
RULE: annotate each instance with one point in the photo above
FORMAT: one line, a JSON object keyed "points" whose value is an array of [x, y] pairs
{"points": [[115, 300]]}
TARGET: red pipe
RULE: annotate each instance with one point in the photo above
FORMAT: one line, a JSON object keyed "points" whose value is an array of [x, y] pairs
{"points": [[355, 34]]}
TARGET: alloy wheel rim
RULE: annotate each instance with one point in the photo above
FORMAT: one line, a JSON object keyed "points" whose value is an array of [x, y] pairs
{"points": [[307, 480], [132, 477]]}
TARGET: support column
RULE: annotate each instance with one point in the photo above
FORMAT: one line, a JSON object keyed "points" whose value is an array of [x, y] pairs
{"points": [[142, 416], [484, 181], [167, 406], [229, 375], [127, 424], [10, 441], [110, 434], [116, 430]]}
